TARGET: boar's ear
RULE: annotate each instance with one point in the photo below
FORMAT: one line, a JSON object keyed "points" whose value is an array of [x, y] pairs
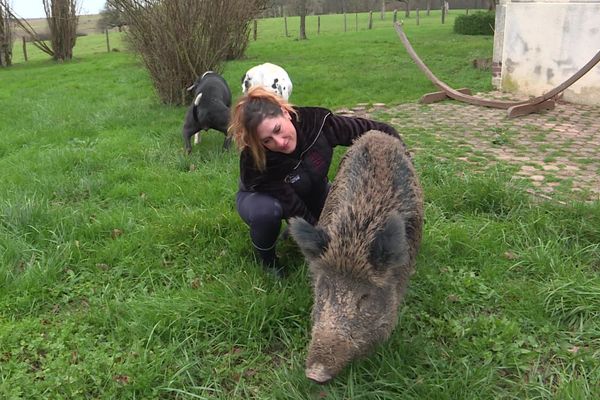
{"points": [[311, 240], [390, 247]]}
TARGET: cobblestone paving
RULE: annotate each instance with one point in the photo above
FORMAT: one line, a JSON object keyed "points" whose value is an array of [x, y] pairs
{"points": [[557, 151]]}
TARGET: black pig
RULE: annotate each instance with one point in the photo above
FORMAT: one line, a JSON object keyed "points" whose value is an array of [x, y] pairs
{"points": [[209, 110]]}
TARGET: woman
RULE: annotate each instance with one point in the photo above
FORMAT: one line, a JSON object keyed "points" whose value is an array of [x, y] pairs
{"points": [[286, 152]]}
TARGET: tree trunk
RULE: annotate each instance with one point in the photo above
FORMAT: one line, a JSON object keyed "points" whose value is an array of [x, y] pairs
{"points": [[302, 8], [62, 22], [6, 38], [302, 27]]}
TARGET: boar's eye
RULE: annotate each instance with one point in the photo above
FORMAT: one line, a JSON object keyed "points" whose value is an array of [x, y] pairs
{"points": [[364, 302]]}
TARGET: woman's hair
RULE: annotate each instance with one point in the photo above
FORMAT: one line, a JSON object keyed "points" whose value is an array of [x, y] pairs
{"points": [[248, 113]]}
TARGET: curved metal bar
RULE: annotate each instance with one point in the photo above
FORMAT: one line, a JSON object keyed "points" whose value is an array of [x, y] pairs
{"points": [[456, 95]]}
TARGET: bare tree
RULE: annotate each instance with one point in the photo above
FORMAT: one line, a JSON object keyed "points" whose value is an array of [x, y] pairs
{"points": [[178, 40], [111, 17], [407, 7], [6, 34], [34, 37], [62, 21]]}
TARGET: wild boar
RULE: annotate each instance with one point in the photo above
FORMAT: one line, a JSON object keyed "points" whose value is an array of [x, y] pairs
{"points": [[361, 253]]}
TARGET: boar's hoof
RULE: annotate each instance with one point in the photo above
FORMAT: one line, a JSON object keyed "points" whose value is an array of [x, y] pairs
{"points": [[318, 373]]}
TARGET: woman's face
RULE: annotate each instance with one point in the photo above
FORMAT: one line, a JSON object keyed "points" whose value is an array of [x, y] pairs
{"points": [[278, 134]]}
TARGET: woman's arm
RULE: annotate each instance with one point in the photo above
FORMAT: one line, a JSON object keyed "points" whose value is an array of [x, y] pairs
{"points": [[341, 130], [273, 185]]}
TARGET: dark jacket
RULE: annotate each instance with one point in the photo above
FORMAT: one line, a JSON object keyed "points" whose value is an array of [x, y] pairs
{"points": [[298, 180]]}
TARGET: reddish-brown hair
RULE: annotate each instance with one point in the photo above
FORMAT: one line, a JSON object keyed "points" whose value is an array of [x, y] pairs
{"points": [[248, 113]]}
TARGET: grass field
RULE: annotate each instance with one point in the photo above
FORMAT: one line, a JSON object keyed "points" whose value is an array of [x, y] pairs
{"points": [[125, 271]]}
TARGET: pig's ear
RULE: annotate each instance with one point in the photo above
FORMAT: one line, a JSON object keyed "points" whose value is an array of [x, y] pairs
{"points": [[311, 240], [390, 247]]}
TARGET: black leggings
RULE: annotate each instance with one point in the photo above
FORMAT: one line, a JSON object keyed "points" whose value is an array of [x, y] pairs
{"points": [[263, 214]]}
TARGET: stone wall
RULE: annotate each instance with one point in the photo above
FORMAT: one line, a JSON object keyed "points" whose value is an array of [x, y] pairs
{"points": [[540, 44]]}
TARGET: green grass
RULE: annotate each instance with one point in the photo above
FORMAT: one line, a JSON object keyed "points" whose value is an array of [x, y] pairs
{"points": [[125, 271]]}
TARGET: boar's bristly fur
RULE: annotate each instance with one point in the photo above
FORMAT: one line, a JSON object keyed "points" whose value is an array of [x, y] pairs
{"points": [[362, 252]]}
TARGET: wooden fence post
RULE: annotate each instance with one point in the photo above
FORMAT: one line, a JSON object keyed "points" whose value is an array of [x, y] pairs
{"points": [[107, 42], [285, 23], [383, 10], [395, 16], [24, 48], [370, 19], [345, 26], [255, 29], [417, 17], [443, 13], [318, 25], [356, 22], [467, 11]]}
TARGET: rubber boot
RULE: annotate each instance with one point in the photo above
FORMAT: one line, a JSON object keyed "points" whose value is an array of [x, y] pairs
{"points": [[270, 263]]}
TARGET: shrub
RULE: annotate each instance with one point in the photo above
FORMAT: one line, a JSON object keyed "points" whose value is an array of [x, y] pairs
{"points": [[479, 23], [178, 40]]}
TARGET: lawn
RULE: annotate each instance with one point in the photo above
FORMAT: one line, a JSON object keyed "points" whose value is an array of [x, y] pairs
{"points": [[125, 271]]}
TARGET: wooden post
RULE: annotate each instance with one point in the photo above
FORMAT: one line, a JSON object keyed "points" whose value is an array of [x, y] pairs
{"points": [[370, 19], [285, 23], [382, 10], [345, 25], [24, 48], [255, 29], [356, 22], [428, 7], [107, 42], [395, 16], [318, 24], [443, 13], [417, 17], [467, 11]]}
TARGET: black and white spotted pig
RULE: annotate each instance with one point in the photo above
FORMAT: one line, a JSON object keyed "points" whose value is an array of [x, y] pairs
{"points": [[271, 76]]}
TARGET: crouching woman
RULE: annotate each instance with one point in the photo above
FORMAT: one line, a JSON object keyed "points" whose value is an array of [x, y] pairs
{"points": [[286, 153]]}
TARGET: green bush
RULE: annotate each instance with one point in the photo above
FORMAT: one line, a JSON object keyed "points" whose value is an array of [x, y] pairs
{"points": [[479, 23]]}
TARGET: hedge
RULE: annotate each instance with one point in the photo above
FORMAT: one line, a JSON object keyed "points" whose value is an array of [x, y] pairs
{"points": [[479, 23]]}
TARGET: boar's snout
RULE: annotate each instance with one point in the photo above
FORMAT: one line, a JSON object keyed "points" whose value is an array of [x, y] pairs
{"points": [[328, 353], [318, 373]]}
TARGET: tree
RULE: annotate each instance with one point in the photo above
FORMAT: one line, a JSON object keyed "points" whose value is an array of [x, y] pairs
{"points": [[6, 34], [62, 21], [111, 17], [34, 37]]}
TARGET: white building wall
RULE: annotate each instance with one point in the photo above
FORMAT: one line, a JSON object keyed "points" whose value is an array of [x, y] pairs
{"points": [[546, 42]]}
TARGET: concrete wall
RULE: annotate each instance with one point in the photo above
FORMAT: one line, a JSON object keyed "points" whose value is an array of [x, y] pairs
{"points": [[540, 44]]}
